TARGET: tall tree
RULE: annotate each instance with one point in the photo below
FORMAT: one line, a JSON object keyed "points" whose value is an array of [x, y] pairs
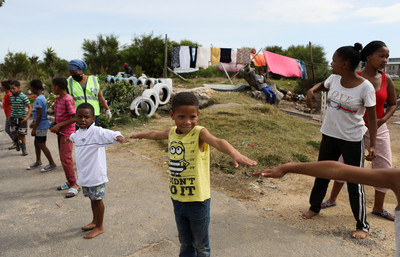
{"points": [[146, 51], [2, 2], [102, 55], [16, 65]]}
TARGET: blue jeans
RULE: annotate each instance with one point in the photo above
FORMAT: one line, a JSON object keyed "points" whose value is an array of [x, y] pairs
{"points": [[192, 220], [269, 92]]}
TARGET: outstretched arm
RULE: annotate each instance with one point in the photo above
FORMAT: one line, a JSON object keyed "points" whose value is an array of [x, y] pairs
{"points": [[387, 178], [154, 135], [223, 146]]}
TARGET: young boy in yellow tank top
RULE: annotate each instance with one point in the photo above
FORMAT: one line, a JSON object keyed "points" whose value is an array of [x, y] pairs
{"points": [[189, 164]]}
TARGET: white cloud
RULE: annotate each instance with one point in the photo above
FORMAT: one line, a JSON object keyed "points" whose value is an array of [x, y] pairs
{"points": [[306, 11], [387, 14]]}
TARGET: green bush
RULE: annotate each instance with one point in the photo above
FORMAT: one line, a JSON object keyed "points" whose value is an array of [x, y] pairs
{"points": [[120, 95]]}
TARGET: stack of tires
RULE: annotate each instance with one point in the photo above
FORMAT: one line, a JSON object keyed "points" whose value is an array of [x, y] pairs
{"points": [[158, 92]]}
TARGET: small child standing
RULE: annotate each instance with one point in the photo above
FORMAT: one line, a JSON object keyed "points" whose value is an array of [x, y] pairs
{"points": [[39, 126], [64, 110], [189, 165], [5, 87], [90, 155], [19, 116]]}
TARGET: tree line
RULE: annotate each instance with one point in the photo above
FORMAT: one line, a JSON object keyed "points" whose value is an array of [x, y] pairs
{"points": [[105, 55]]}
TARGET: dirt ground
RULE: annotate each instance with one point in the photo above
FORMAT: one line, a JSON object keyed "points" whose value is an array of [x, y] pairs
{"points": [[286, 199]]}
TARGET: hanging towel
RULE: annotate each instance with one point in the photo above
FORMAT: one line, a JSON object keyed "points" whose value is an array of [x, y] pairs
{"points": [[215, 55], [232, 66], [303, 68], [193, 56], [282, 65], [259, 60], [226, 55], [203, 57], [243, 56], [184, 57], [175, 57]]}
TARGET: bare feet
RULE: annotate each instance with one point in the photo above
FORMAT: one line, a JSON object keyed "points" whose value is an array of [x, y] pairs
{"points": [[89, 226], [359, 234], [308, 214], [95, 232]]}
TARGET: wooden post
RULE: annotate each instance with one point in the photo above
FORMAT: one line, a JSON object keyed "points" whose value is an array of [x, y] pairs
{"points": [[165, 75], [312, 63], [226, 73]]}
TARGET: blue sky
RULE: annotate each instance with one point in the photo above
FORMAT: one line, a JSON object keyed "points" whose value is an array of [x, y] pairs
{"points": [[33, 26]]}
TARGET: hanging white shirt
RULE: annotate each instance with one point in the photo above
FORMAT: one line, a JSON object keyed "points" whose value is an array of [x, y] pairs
{"points": [[90, 154]]}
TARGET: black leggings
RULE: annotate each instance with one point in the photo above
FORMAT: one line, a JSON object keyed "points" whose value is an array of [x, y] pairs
{"points": [[353, 154]]}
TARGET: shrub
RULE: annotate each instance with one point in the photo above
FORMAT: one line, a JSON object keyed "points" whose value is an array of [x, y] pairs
{"points": [[120, 95]]}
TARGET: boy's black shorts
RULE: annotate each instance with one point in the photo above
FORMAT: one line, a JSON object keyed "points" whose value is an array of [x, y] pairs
{"points": [[17, 126]]}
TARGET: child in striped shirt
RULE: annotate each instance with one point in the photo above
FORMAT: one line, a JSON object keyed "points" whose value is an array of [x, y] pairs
{"points": [[19, 116]]}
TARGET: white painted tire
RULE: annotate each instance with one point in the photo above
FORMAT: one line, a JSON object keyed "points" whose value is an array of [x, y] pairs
{"points": [[153, 95], [141, 82], [140, 101], [166, 81], [163, 93], [150, 82]]}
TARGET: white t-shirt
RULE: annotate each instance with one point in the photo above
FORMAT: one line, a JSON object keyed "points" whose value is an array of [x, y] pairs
{"points": [[90, 154], [346, 108]]}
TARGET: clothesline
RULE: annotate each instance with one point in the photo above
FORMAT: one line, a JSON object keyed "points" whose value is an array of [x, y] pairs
{"points": [[186, 59]]}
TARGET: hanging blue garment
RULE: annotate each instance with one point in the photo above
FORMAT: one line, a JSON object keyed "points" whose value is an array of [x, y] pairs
{"points": [[303, 68], [175, 62]]}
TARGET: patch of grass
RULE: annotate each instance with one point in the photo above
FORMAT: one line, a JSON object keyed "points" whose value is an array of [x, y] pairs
{"points": [[301, 157], [315, 144], [273, 136]]}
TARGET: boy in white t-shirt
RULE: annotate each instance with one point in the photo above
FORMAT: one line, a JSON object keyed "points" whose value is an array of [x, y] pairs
{"points": [[90, 155]]}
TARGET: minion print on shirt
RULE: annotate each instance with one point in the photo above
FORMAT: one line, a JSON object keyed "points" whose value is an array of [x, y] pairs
{"points": [[177, 162]]}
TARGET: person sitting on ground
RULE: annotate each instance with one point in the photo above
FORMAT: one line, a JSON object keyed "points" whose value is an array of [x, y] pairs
{"points": [[90, 142], [128, 70], [384, 178], [262, 86]]}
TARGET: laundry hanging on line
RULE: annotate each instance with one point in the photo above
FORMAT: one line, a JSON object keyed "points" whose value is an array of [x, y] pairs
{"points": [[303, 68], [282, 65], [233, 66], [184, 57], [203, 57]]}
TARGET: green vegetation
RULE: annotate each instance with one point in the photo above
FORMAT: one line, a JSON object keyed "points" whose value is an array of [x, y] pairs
{"points": [[259, 131]]}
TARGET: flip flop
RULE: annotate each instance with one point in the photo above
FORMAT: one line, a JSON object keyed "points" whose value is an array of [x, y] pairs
{"points": [[63, 186], [72, 192], [385, 214], [327, 204]]}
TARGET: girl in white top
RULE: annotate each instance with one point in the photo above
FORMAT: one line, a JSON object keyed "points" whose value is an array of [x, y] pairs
{"points": [[343, 129]]}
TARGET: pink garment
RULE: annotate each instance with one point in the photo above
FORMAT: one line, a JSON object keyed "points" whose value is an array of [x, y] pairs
{"points": [[383, 159], [282, 65], [65, 150], [64, 109], [232, 66]]}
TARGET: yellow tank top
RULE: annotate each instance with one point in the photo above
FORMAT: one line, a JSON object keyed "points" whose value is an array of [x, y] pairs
{"points": [[189, 167]]}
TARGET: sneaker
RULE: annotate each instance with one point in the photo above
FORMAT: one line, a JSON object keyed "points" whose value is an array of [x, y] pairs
{"points": [[34, 166], [49, 167]]}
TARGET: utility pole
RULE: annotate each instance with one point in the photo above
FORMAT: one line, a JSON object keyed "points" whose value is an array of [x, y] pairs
{"points": [[165, 57], [312, 62]]}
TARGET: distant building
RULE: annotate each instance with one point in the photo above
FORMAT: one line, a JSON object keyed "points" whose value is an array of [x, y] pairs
{"points": [[393, 67]]}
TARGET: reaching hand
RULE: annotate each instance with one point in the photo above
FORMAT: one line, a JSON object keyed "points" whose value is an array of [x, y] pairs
{"points": [[243, 160], [271, 172], [121, 139]]}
